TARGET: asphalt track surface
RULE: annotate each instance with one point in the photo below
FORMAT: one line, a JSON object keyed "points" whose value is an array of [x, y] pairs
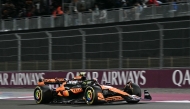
{"points": [[8, 104], [154, 90], [30, 104]]}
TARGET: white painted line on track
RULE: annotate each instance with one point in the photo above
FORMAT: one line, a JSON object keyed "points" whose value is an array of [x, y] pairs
{"points": [[26, 97], [16, 97], [31, 98], [175, 101], [4, 97]]}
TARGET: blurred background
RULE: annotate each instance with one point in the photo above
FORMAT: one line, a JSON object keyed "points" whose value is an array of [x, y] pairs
{"points": [[127, 46]]}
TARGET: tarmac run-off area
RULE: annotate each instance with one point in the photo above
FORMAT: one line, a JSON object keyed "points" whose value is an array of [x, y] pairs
{"points": [[161, 99]]}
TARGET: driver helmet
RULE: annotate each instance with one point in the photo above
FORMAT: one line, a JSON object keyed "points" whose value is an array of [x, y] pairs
{"points": [[83, 75]]}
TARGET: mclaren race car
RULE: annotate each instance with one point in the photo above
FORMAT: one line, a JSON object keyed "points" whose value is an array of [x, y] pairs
{"points": [[79, 89]]}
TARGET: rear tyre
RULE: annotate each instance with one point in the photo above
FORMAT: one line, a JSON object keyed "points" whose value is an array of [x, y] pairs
{"points": [[43, 95], [134, 90], [91, 95]]}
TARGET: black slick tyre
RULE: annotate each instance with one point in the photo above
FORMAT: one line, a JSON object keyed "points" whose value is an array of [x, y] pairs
{"points": [[90, 95], [43, 95]]}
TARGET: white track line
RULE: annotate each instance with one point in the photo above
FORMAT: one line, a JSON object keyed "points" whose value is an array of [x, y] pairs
{"points": [[176, 101], [16, 97], [31, 98]]}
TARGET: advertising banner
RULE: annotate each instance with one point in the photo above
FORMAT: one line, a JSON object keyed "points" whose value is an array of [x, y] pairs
{"points": [[171, 78]]}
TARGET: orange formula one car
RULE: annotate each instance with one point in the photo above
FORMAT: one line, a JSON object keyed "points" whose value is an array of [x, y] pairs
{"points": [[79, 89]]}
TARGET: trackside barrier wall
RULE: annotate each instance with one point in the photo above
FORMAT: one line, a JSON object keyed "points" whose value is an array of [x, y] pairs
{"points": [[171, 78]]}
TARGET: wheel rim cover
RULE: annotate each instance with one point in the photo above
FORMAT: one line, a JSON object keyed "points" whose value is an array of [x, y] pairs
{"points": [[89, 95], [37, 94]]}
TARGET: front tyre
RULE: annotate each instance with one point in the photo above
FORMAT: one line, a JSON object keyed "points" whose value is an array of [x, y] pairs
{"points": [[90, 95], [42, 95]]}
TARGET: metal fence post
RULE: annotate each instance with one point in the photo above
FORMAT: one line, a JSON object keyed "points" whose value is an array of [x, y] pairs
{"points": [[121, 15], [83, 48], [80, 19], [39, 22], [19, 52], [52, 22], [120, 47], [50, 50], [93, 18], [2, 25], [27, 23], [66, 20], [161, 27], [153, 11], [14, 24]]}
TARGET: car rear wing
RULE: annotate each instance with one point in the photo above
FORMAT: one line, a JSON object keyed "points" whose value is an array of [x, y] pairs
{"points": [[58, 81]]}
